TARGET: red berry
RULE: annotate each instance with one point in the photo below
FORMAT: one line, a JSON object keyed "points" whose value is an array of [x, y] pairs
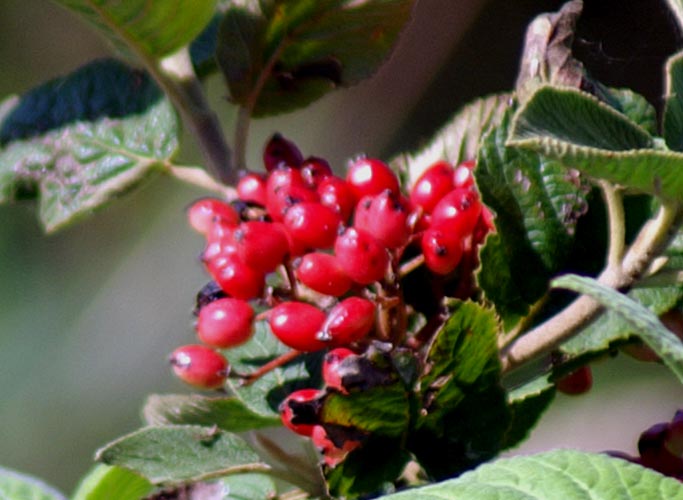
{"points": [[204, 213], [286, 187], [287, 414], [220, 241], [252, 188], [349, 321], [296, 324], [330, 369], [442, 249], [236, 278], [314, 171], [280, 151], [655, 454], [321, 272], [460, 209], [261, 245], [434, 183], [368, 176], [361, 256], [313, 224], [225, 323], [337, 194], [199, 366], [463, 177], [385, 216], [577, 382], [332, 454]]}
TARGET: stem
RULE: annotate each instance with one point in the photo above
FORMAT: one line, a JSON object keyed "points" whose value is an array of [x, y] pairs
{"points": [[270, 366], [231, 471], [197, 176], [652, 239], [617, 224]]}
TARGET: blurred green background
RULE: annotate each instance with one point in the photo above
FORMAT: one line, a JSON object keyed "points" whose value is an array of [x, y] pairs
{"points": [[88, 316]]}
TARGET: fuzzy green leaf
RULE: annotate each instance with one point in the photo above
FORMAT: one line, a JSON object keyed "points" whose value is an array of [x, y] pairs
{"points": [[105, 482], [459, 139], [673, 110], [17, 486], [247, 487], [636, 108], [526, 404], [537, 203], [79, 141], [566, 474], [228, 413], [178, 453], [147, 27], [285, 54], [643, 322]]}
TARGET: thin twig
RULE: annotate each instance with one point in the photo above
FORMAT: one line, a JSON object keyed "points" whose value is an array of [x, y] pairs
{"points": [[199, 177], [617, 223], [258, 468], [270, 366]]}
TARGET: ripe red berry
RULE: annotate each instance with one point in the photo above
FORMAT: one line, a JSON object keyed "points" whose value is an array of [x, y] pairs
{"points": [[314, 170], [463, 177], [442, 249], [330, 368], [361, 256], [199, 366], [321, 272], [335, 193], [204, 213], [225, 323], [368, 176], [280, 151], [288, 416], [220, 241], [349, 321], [460, 209], [577, 382], [296, 324], [261, 245], [236, 278], [252, 188], [332, 454], [313, 224], [434, 183], [385, 216], [285, 187]]}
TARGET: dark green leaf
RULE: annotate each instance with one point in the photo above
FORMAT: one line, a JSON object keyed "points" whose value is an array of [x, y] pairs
{"points": [[537, 203], [203, 48], [553, 475], [105, 482], [178, 453], [228, 413], [264, 395], [288, 53], [146, 27], [527, 403], [459, 139], [82, 140], [636, 108], [644, 323], [464, 413], [16, 486], [673, 110], [676, 7]]}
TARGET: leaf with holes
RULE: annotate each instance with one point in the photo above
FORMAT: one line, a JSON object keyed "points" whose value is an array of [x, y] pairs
{"points": [[80, 141]]}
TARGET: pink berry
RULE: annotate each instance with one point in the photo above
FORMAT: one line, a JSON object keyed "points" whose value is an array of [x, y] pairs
{"points": [[442, 249], [280, 151], [330, 368], [285, 187], [236, 278], [361, 256], [287, 414], [349, 321], [321, 272], [205, 212], [296, 324], [337, 194], [252, 188], [314, 171], [225, 323], [434, 183], [368, 176], [313, 224], [261, 245], [385, 216], [199, 366], [460, 209]]}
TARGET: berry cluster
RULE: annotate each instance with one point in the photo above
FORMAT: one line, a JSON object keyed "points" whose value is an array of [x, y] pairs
{"points": [[323, 260]]}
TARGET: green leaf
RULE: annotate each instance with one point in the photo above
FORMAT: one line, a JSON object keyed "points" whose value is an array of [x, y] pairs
{"points": [[459, 139], [203, 48], [104, 482], [228, 413], [464, 413], [17, 486], [635, 107], [79, 141], [676, 7], [287, 53], [264, 395], [247, 487], [566, 474], [148, 27], [644, 323], [611, 328], [178, 453], [526, 404], [673, 108], [537, 203]]}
